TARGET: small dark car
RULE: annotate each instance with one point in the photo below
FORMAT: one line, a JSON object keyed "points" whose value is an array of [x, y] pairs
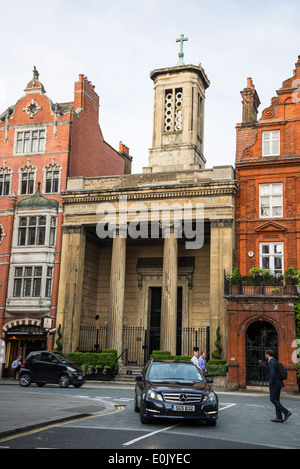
{"points": [[175, 390], [50, 367]]}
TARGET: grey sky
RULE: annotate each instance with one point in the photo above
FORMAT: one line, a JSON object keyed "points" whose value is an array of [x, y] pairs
{"points": [[117, 43]]}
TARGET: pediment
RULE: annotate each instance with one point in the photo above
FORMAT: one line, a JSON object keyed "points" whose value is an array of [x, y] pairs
{"points": [[271, 226]]}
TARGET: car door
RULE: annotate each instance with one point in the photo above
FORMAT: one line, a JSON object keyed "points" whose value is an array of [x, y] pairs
{"points": [[140, 386], [46, 368]]}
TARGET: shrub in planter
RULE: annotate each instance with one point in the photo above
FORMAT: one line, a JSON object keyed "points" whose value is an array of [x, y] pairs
{"points": [[160, 352], [166, 355], [96, 365], [216, 368]]}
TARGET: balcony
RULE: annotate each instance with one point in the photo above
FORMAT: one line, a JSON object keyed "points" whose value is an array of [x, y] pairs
{"points": [[258, 285]]}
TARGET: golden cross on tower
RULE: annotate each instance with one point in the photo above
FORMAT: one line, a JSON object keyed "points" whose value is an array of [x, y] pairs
{"points": [[181, 54]]}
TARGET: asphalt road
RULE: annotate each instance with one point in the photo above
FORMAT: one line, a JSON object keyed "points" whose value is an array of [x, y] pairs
{"points": [[100, 416]]}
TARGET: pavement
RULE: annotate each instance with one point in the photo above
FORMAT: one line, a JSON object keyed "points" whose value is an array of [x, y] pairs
{"points": [[50, 408], [45, 409]]}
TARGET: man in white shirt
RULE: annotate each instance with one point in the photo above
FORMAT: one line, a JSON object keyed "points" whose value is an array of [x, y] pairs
{"points": [[194, 359]]}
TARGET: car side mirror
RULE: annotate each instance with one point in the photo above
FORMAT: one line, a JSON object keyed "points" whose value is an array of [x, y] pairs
{"points": [[209, 380], [139, 378]]}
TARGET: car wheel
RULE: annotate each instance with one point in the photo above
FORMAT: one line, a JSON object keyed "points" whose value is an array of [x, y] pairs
{"points": [[25, 379], [64, 381], [143, 416]]}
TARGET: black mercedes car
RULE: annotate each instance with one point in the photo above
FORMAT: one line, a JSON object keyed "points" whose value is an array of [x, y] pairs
{"points": [[50, 367], [174, 390]]}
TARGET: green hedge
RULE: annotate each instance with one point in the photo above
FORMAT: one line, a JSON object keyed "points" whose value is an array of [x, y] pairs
{"points": [[91, 362], [166, 355], [215, 367]]}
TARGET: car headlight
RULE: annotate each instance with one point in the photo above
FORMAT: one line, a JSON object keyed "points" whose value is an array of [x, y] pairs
{"points": [[209, 397], [154, 395]]}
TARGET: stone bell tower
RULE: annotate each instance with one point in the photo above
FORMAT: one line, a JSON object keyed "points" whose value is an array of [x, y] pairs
{"points": [[178, 119]]}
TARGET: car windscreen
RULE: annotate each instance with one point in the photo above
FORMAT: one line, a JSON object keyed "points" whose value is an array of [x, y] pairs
{"points": [[160, 372], [64, 358]]}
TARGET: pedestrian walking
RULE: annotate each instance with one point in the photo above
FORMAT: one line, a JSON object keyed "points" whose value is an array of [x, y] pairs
{"points": [[194, 359], [275, 385], [16, 365], [202, 363]]}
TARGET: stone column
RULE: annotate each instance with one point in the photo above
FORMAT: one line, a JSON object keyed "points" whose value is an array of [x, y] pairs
{"points": [[70, 286], [168, 322], [221, 247], [117, 289]]}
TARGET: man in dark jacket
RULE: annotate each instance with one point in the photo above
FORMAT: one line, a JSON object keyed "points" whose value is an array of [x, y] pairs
{"points": [[275, 385]]}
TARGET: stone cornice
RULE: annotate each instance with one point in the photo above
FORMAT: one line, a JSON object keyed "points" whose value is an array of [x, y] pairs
{"points": [[178, 191]]}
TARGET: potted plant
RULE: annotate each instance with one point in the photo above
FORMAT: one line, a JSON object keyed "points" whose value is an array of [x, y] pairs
{"points": [[235, 281]]}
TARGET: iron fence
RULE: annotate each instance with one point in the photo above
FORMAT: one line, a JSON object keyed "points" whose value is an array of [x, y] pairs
{"points": [[140, 342], [92, 338], [260, 285]]}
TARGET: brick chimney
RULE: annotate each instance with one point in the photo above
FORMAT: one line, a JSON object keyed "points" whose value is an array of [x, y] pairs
{"points": [[124, 151], [85, 96], [250, 102]]}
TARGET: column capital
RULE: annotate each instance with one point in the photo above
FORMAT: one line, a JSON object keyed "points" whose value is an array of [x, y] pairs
{"points": [[73, 229], [170, 227], [221, 222], [118, 230]]}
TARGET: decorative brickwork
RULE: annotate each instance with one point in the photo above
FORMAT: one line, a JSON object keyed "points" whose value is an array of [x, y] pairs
{"points": [[267, 225]]}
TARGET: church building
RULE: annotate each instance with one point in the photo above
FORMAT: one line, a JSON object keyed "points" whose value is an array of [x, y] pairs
{"points": [[144, 255]]}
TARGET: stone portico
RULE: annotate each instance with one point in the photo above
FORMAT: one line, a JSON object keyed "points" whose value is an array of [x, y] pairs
{"points": [[110, 278]]}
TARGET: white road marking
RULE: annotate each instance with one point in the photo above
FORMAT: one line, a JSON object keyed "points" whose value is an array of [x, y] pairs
{"points": [[254, 405], [226, 407], [150, 434], [165, 429]]}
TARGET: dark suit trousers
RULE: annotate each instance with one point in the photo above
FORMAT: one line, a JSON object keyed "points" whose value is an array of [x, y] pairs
{"points": [[275, 399]]}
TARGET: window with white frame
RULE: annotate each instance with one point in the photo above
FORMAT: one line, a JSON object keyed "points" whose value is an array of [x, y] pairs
{"points": [[270, 200], [27, 281], [32, 231], [5, 180], [30, 282], [48, 288], [31, 141], [271, 143], [52, 231], [52, 181], [27, 182], [271, 257]]}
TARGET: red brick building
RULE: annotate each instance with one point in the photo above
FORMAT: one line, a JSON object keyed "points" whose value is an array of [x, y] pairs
{"points": [[41, 144], [261, 310]]}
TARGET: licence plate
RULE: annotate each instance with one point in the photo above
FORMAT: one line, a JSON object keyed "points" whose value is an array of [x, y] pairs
{"points": [[183, 408]]}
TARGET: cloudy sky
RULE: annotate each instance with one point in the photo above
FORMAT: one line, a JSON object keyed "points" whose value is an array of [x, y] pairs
{"points": [[116, 43]]}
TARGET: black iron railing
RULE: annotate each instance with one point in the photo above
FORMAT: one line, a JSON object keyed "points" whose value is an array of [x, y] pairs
{"points": [[259, 285], [139, 342]]}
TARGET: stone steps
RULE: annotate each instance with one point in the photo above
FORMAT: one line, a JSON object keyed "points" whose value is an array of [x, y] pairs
{"points": [[127, 374]]}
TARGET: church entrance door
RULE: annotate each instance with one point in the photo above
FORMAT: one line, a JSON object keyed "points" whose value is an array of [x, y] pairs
{"points": [[155, 314], [260, 336]]}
